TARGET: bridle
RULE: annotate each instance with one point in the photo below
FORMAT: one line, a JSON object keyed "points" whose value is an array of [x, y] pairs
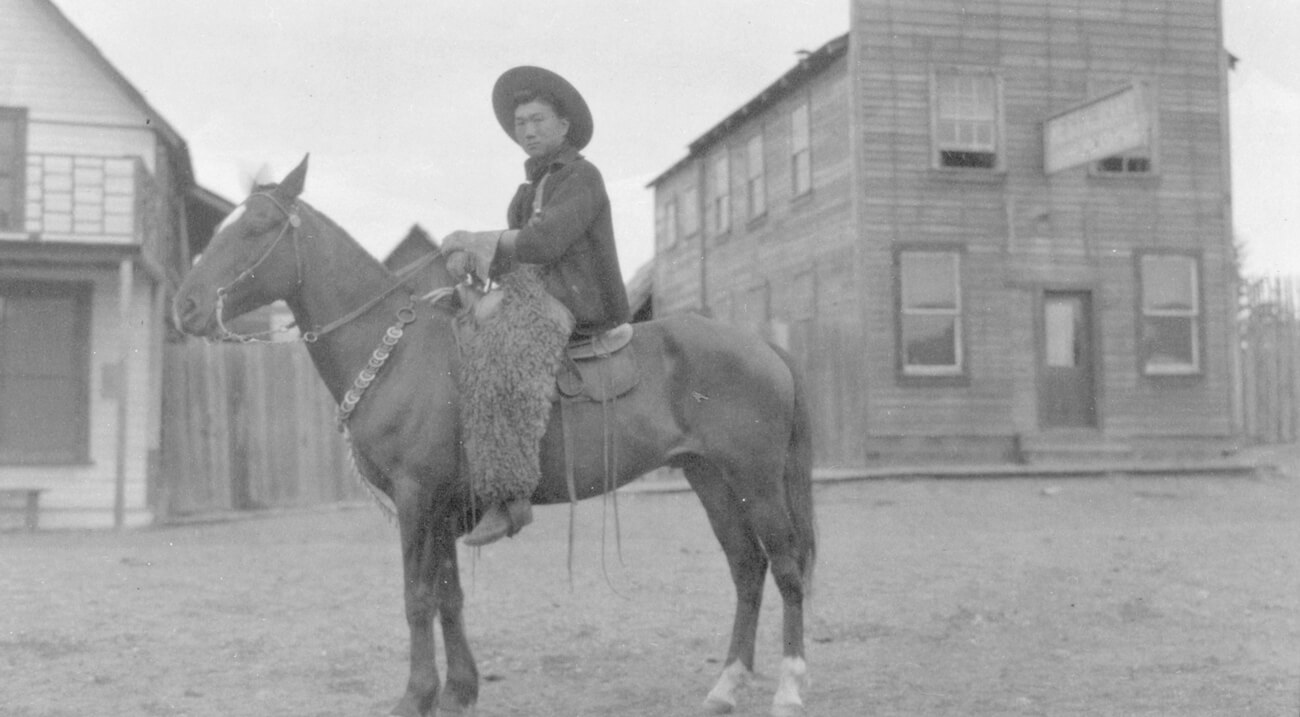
{"points": [[290, 228]]}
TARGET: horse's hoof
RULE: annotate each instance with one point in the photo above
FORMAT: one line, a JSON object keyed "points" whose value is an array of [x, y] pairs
{"points": [[715, 706]]}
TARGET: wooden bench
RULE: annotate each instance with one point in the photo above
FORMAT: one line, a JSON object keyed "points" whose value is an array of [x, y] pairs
{"points": [[31, 503]]}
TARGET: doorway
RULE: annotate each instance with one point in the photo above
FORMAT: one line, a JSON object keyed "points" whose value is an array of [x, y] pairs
{"points": [[1067, 390]]}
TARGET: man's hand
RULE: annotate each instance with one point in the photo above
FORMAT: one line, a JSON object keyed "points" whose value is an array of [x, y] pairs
{"points": [[460, 264], [470, 252]]}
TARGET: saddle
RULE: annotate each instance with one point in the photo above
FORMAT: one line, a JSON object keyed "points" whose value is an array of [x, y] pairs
{"points": [[598, 368], [593, 368]]}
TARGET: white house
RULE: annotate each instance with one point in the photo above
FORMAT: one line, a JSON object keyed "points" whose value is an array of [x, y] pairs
{"points": [[99, 216]]}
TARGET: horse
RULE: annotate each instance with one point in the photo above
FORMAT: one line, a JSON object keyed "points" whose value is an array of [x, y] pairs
{"points": [[718, 402]]}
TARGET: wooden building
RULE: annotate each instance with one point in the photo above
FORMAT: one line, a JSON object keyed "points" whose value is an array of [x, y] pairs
{"points": [[991, 230], [99, 216]]}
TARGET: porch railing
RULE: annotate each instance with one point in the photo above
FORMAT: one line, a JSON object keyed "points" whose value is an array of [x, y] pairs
{"points": [[83, 198]]}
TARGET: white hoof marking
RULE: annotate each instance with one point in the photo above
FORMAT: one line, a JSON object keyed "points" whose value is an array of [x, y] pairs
{"points": [[722, 698], [788, 701]]}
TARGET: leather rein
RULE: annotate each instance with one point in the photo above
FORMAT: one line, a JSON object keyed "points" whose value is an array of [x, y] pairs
{"points": [[290, 228], [405, 315]]}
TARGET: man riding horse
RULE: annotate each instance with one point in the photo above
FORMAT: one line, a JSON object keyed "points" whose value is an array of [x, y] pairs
{"points": [[558, 249]]}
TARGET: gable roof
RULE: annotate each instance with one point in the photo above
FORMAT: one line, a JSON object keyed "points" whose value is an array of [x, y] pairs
{"points": [[165, 131], [414, 245], [204, 208], [809, 65]]}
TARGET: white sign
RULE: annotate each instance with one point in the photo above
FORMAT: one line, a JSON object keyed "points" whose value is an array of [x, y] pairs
{"points": [[1101, 127]]}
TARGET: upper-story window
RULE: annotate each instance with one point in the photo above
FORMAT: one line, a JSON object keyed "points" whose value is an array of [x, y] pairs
{"points": [[1131, 163], [688, 212], [13, 161], [800, 151], [720, 194], [1171, 314], [966, 122], [755, 185], [667, 229], [930, 312], [1139, 161]]}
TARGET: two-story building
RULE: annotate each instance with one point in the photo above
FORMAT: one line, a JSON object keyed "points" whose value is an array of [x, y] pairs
{"points": [[991, 230], [99, 217]]}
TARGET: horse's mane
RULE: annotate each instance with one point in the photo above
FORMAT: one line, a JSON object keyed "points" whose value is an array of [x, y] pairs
{"points": [[419, 282]]}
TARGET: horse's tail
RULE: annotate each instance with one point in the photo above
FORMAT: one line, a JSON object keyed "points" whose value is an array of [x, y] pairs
{"points": [[798, 476]]}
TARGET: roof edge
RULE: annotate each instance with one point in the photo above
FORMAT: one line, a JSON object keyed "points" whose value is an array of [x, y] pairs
{"points": [[808, 67], [158, 123]]}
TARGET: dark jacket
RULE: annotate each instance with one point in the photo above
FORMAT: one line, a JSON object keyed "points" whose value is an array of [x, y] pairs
{"points": [[573, 237]]}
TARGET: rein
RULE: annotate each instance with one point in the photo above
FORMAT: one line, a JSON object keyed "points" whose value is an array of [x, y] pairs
{"points": [[290, 227]]}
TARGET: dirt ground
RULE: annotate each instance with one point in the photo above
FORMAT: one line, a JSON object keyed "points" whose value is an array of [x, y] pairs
{"points": [[1118, 596]]}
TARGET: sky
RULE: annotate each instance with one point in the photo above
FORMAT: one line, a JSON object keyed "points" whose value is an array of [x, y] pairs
{"points": [[392, 99]]}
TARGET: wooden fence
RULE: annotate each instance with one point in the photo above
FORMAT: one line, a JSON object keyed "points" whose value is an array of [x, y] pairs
{"points": [[246, 427], [1270, 360]]}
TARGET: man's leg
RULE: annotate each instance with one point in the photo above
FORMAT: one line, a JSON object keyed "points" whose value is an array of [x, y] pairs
{"points": [[506, 380]]}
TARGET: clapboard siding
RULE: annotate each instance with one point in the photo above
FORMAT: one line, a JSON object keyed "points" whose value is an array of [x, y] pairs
{"points": [[1047, 57], [1020, 232], [80, 110], [58, 80], [749, 274]]}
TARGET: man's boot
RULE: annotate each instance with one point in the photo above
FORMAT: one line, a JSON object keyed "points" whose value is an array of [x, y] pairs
{"points": [[499, 521]]}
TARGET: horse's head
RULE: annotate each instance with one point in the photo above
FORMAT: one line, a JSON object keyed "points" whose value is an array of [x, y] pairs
{"points": [[252, 260]]}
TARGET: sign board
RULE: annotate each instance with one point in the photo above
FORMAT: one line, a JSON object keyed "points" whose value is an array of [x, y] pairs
{"points": [[1113, 123]]}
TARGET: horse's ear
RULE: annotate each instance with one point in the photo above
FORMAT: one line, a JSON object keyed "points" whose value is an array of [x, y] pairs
{"points": [[293, 183]]}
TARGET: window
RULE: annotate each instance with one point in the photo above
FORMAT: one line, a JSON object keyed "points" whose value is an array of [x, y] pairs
{"points": [[800, 151], [720, 198], [667, 221], [1139, 161], [929, 289], [688, 212], [1129, 163], [1171, 309], [755, 187], [966, 120], [13, 148], [43, 372]]}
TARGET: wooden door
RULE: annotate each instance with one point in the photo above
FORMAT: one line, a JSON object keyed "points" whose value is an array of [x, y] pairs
{"points": [[1067, 387]]}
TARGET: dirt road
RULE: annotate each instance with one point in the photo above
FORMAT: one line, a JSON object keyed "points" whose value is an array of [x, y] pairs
{"points": [[1152, 596]]}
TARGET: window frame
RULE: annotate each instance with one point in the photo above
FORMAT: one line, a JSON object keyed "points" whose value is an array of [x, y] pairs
{"points": [[928, 375], [688, 212], [801, 147], [78, 451], [719, 207], [1196, 316], [17, 223], [937, 148], [668, 231], [755, 181]]}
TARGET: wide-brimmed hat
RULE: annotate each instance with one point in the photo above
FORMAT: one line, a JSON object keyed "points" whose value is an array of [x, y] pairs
{"points": [[537, 79]]}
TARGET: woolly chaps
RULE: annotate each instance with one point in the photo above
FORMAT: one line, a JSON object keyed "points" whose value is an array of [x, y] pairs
{"points": [[507, 376]]}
